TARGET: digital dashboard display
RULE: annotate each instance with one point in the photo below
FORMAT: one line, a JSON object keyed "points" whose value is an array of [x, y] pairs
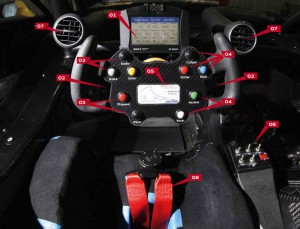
{"points": [[158, 94], [155, 30]]}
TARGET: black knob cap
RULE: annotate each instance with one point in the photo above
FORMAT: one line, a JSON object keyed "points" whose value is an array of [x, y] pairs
{"points": [[137, 115], [191, 54], [125, 56]]}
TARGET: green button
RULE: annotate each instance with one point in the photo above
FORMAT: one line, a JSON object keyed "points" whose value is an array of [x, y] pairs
{"points": [[194, 95]]}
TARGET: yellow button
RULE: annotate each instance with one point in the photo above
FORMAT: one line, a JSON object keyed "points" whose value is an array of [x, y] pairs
{"points": [[131, 71]]}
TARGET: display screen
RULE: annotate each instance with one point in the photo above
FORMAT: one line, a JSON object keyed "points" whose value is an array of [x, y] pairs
{"points": [[158, 94], [155, 30]]}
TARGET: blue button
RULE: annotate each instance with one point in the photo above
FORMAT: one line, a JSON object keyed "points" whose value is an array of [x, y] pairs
{"points": [[202, 70]]}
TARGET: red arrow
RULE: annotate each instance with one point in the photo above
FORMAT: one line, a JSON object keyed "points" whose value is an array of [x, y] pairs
{"points": [[269, 124], [67, 78], [84, 83], [94, 63], [216, 59], [262, 132], [160, 77], [154, 71], [270, 29], [53, 30], [191, 177], [217, 104], [247, 76], [126, 25], [87, 60], [117, 15], [261, 33], [45, 26], [223, 102], [94, 104], [243, 78]]}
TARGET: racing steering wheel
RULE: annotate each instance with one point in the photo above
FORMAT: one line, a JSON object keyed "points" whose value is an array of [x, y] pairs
{"points": [[122, 83]]}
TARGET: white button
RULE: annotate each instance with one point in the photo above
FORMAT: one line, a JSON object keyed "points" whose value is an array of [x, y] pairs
{"points": [[111, 72], [180, 114]]}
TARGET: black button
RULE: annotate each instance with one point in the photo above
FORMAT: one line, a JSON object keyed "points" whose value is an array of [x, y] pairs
{"points": [[137, 115], [125, 56], [191, 54]]}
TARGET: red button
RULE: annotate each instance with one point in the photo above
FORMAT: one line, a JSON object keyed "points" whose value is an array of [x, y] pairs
{"points": [[263, 157], [184, 70], [122, 97]]}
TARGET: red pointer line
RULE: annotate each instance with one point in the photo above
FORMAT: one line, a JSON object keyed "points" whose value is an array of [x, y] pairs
{"points": [[182, 182], [85, 83], [126, 25], [216, 59], [189, 179], [261, 33], [262, 132], [160, 77], [216, 105], [94, 104], [243, 78], [93, 63], [53, 30]]}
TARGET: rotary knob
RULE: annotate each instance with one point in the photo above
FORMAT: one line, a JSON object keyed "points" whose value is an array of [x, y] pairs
{"points": [[137, 115], [191, 54], [125, 56]]}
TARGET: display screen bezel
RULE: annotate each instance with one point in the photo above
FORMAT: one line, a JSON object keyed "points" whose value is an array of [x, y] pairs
{"points": [[158, 48], [155, 20], [147, 11], [158, 85]]}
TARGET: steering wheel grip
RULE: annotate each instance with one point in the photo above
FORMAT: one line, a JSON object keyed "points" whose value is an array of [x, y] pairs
{"points": [[229, 65], [87, 49]]}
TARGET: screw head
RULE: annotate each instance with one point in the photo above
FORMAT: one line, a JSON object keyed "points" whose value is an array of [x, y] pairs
{"points": [[10, 140]]}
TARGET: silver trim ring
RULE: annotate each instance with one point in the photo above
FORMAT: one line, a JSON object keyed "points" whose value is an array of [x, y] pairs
{"points": [[253, 30], [76, 17]]}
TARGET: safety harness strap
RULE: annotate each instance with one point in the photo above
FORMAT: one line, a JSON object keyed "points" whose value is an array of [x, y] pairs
{"points": [[163, 201], [138, 201]]}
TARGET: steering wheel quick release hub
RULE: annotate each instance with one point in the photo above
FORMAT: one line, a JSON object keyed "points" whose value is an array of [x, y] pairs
{"points": [[150, 159], [156, 89]]}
